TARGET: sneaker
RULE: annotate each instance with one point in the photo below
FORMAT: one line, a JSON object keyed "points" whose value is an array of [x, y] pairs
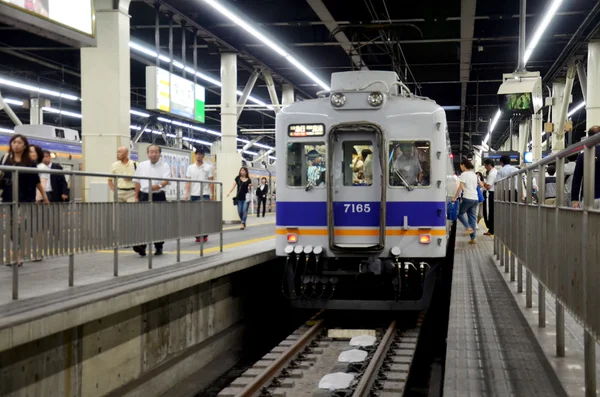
{"points": [[472, 242], [487, 234]]}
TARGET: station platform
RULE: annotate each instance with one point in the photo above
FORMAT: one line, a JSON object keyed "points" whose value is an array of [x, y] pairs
{"points": [[46, 304], [494, 345]]}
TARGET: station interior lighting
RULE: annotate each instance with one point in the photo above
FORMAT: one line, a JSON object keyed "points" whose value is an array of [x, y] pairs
{"points": [[247, 25], [541, 28], [32, 88]]}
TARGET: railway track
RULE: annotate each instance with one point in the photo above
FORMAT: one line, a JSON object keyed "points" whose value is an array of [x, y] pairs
{"points": [[309, 362]]}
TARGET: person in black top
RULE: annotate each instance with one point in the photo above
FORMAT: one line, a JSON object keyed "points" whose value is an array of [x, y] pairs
{"points": [[57, 189], [242, 198], [18, 156], [577, 187], [261, 196]]}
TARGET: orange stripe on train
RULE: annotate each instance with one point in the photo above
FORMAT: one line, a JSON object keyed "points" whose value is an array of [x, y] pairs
{"points": [[361, 232]]}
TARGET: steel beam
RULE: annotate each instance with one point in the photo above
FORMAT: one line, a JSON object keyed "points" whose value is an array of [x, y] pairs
{"points": [[467, 25], [271, 87], [247, 90]]}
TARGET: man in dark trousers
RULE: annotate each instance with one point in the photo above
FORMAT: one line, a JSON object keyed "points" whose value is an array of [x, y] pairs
{"points": [[488, 206], [261, 196], [57, 189]]}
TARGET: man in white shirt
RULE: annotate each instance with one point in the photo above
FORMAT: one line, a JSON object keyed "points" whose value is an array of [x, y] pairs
{"points": [[488, 206], [506, 170], [157, 170], [199, 171]]}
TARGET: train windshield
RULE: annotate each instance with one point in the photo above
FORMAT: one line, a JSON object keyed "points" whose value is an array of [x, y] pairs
{"points": [[410, 163], [306, 163]]}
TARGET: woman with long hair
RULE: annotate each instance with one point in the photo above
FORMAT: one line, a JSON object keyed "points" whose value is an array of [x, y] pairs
{"points": [[19, 156], [470, 201], [242, 198], [36, 154]]}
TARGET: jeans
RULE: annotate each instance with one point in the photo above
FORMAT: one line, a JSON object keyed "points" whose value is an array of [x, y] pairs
{"points": [[205, 197], [470, 207], [242, 206]]}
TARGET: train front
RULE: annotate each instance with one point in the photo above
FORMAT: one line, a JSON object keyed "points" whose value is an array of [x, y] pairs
{"points": [[361, 196]]}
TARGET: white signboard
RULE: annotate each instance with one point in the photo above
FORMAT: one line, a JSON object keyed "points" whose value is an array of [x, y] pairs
{"points": [[182, 97], [74, 14]]}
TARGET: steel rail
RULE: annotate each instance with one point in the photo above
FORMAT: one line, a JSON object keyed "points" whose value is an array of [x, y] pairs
{"points": [[271, 371], [368, 379]]}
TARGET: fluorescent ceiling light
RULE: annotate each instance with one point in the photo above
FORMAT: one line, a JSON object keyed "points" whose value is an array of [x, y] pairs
{"points": [[247, 26], [15, 102], [6, 130], [576, 109], [541, 28], [62, 112], [32, 88], [138, 113], [273, 157], [496, 118], [451, 107], [251, 153], [487, 138]]}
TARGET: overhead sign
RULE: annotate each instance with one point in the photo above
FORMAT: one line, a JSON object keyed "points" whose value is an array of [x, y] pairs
{"points": [[69, 21], [173, 94], [301, 130]]}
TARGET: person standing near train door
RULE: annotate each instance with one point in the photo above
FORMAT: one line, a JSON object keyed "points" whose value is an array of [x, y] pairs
{"points": [[261, 196], [124, 166], [199, 171]]}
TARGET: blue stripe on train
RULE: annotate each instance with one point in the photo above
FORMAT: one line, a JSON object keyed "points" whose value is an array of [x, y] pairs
{"points": [[348, 214]]}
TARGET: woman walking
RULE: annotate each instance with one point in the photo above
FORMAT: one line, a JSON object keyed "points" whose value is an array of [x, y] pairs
{"points": [[470, 201], [242, 198]]}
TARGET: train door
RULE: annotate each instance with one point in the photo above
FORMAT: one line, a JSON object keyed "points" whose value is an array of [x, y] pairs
{"points": [[357, 190]]}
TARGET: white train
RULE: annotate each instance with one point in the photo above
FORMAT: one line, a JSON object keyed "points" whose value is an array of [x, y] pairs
{"points": [[364, 175]]}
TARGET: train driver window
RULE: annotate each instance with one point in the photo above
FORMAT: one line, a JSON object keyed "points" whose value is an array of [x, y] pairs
{"points": [[306, 163], [358, 163], [410, 163]]}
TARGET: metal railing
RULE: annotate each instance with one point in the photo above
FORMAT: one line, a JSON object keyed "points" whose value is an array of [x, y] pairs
{"points": [[33, 230], [558, 244]]}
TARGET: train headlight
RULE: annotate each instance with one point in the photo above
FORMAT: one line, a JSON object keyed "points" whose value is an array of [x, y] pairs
{"points": [[318, 250], [395, 251], [338, 100], [375, 99], [308, 249], [424, 239], [292, 238], [289, 249], [298, 249]]}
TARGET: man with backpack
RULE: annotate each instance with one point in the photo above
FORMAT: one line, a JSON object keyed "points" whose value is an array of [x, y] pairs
{"points": [[124, 166]]}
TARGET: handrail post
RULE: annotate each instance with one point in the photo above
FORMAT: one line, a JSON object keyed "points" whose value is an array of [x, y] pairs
{"points": [[539, 244], [221, 233], [15, 235], [150, 193], [589, 165], [71, 223], [560, 311], [116, 227], [179, 222], [202, 221]]}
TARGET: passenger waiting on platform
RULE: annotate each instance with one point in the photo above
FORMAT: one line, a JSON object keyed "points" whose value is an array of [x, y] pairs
{"points": [[577, 188], [123, 166], [157, 170], [506, 170], [488, 204], [242, 198], [36, 154], [199, 171], [470, 200], [550, 186], [18, 156], [261, 196], [57, 188], [481, 183]]}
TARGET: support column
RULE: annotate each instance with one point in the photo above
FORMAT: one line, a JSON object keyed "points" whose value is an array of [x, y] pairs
{"points": [[106, 96], [229, 160], [558, 96], [36, 115], [287, 97], [558, 138], [592, 105], [523, 139], [536, 136]]}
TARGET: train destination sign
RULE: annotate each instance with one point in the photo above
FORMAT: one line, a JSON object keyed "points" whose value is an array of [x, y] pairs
{"points": [[301, 130]]}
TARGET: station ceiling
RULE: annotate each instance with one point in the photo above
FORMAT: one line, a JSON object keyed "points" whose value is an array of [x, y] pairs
{"points": [[427, 43]]}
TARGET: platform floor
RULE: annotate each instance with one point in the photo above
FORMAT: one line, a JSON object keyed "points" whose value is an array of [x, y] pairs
{"points": [[491, 349], [51, 275]]}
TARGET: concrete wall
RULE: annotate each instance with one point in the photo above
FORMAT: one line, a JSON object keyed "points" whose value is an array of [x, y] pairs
{"points": [[144, 350]]}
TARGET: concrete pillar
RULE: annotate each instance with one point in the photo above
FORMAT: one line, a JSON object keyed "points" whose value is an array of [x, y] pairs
{"points": [[287, 97], [36, 115], [105, 93], [558, 96], [229, 160], [592, 104]]}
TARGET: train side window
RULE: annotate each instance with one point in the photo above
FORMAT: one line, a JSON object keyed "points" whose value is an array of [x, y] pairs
{"points": [[410, 163], [358, 163], [306, 162]]}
